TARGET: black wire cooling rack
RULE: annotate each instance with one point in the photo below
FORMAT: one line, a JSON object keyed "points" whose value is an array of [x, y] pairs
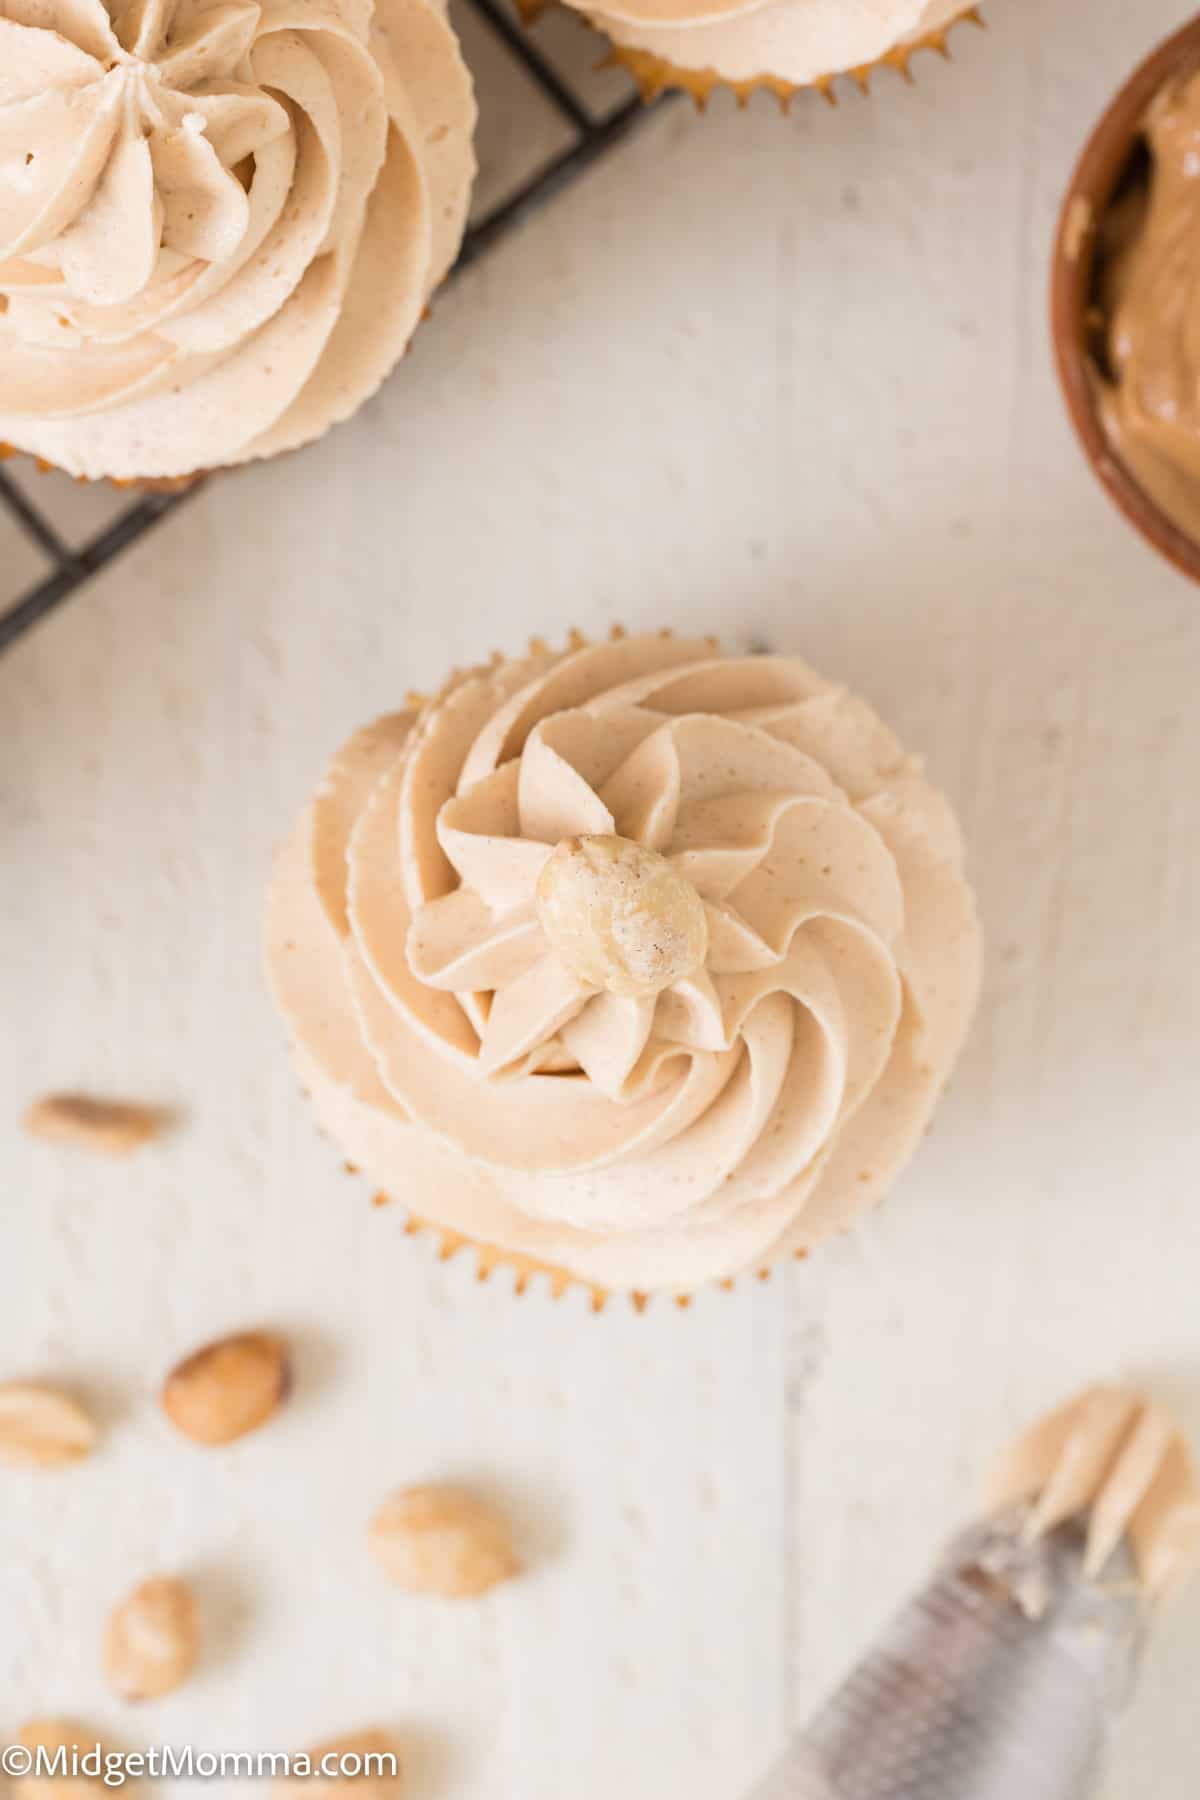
{"points": [[539, 71]]}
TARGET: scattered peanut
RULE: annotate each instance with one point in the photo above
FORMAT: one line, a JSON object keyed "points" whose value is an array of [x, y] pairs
{"points": [[53, 1736], [41, 1428], [228, 1388], [377, 1753], [439, 1540], [152, 1640], [112, 1127], [620, 916]]}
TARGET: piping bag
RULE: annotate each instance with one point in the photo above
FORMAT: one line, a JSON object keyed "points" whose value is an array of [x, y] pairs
{"points": [[1003, 1678]]}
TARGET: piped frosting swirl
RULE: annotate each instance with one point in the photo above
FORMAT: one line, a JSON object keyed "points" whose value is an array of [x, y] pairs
{"points": [[1119, 1465], [763, 1097], [220, 220]]}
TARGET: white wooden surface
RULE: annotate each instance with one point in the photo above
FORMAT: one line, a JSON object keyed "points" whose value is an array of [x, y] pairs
{"points": [[784, 380]]}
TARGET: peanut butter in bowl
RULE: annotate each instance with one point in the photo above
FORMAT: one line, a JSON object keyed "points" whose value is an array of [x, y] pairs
{"points": [[1148, 305], [1126, 299]]}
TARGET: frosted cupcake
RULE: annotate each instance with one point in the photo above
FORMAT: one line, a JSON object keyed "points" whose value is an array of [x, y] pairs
{"points": [[219, 225], [783, 45], [634, 961]]}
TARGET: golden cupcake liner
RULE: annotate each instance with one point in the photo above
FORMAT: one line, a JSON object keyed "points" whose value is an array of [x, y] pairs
{"points": [[416, 700], [655, 76], [490, 1260], [147, 484]]}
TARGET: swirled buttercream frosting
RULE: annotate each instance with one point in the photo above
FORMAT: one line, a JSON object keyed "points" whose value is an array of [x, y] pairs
{"points": [[220, 220], [794, 42], [638, 960]]}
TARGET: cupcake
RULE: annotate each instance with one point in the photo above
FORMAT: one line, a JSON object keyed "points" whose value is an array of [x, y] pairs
{"points": [[219, 225], [782, 45], [632, 961]]}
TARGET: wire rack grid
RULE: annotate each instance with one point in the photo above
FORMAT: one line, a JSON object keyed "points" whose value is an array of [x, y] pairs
{"points": [[545, 76]]}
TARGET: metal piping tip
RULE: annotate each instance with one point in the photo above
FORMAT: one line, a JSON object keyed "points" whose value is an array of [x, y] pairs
{"points": [[1000, 1680]]}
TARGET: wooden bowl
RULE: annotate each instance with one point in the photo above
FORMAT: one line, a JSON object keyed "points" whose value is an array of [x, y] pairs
{"points": [[1107, 158]]}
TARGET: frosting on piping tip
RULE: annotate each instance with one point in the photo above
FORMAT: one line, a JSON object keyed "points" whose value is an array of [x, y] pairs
{"points": [[1121, 1465], [636, 959], [220, 220], [795, 41]]}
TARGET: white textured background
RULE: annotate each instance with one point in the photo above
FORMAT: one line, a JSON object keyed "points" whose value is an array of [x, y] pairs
{"points": [[784, 380]]}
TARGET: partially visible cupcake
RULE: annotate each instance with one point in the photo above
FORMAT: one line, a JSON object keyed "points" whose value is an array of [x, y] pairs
{"points": [[782, 45], [634, 961], [219, 225]]}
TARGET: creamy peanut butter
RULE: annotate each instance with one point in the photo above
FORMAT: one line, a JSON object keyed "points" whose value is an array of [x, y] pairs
{"points": [[1149, 295]]}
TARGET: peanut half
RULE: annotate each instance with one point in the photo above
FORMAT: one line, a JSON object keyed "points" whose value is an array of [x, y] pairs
{"points": [[374, 1780], [54, 1736], [112, 1127], [440, 1540], [41, 1428], [153, 1640], [228, 1388]]}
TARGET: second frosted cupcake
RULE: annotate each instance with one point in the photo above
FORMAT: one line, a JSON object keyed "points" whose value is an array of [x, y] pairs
{"points": [[634, 961], [782, 45], [219, 225]]}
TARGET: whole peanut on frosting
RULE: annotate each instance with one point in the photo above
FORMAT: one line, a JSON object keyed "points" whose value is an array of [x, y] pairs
{"points": [[621, 917]]}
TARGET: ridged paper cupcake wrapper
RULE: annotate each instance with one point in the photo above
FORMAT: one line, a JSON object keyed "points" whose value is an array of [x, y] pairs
{"points": [[655, 76], [140, 484], [526, 1270]]}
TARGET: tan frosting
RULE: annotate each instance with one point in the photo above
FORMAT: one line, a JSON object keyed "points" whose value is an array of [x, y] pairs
{"points": [[1151, 291], [797, 41], [749, 1109], [1119, 1463], [220, 220]]}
